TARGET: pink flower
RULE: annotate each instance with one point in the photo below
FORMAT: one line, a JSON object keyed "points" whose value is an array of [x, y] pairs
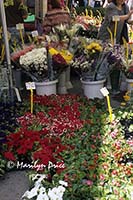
{"points": [[102, 177], [130, 142], [89, 182], [114, 133]]}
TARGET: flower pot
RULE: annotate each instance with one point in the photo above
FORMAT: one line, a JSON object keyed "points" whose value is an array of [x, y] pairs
{"points": [[123, 83], [68, 82], [62, 89], [46, 87], [115, 81], [129, 84], [92, 88]]}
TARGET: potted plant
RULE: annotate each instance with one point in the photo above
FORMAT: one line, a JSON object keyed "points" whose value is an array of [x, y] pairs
{"points": [[94, 61]]}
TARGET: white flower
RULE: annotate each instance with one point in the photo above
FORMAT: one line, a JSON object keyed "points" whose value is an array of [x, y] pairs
{"points": [[53, 194], [42, 196], [37, 176], [63, 183], [61, 191], [35, 63], [36, 56], [32, 193], [56, 193], [40, 179]]}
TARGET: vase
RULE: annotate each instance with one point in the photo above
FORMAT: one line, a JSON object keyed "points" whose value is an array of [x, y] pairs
{"points": [[61, 87], [92, 88], [46, 87], [129, 84], [17, 74], [68, 82], [115, 81], [123, 83]]}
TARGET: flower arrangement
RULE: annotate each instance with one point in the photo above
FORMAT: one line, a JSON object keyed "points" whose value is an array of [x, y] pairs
{"points": [[87, 25], [94, 60], [61, 59], [35, 63]]}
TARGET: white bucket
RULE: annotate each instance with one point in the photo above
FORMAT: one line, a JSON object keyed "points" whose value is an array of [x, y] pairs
{"points": [[46, 87], [92, 88]]}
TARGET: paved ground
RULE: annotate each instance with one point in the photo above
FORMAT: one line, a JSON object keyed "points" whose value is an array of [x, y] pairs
{"points": [[15, 183]]}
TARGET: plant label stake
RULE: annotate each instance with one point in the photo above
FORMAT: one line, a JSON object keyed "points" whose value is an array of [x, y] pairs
{"points": [[20, 27], [115, 18], [35, 35], [31, 86], [105, 93]]}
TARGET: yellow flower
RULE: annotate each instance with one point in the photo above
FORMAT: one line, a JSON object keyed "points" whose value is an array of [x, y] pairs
{"points": [[66, 55], [95, 46], [123, 104], [126, 96], [53, 51]]}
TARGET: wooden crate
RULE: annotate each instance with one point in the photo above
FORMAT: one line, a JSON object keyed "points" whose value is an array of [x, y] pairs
{"points": [[40, 8]]}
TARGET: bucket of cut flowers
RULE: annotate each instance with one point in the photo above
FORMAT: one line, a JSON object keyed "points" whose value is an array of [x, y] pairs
{"points": [[94, 61], [37, 64], [61, 60]]}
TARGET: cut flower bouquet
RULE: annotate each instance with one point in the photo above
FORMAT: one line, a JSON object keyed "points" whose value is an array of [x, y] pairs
{"points": [[61, 59], [94, 60], [35, 63]]}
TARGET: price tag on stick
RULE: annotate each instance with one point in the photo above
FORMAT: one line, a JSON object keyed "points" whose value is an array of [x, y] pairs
{"points": [[105, 93], [115, 18], [20, 27], [35, 35], [31, 86]]}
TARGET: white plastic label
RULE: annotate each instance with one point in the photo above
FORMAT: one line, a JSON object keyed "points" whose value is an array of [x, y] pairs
{"points": [[34, 33], [30, 85], [104, 91], [19, 26], [116, 18]]}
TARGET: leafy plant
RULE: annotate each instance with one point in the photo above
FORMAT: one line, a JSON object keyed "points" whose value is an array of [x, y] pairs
{"points": [[76, 133]]}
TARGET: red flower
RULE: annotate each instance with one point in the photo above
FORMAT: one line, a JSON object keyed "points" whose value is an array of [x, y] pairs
{"points": [[9, 155], [114, 172], [58, 59]]}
